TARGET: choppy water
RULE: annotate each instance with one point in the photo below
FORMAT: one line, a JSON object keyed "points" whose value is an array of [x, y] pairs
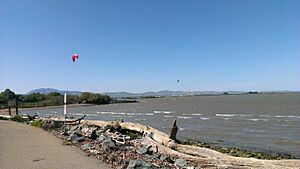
{"points": [[265, 122]]}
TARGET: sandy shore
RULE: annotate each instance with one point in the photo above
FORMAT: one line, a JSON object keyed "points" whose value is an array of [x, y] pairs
{"points": [[27, 147]]}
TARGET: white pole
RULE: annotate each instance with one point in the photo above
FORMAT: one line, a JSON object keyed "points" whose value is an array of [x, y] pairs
{"points": [[65, 108]]}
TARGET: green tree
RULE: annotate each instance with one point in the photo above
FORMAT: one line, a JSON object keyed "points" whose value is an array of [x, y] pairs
{"points": [[8, 94], [54, 94], [34, 97], [87, 97], [72, 99]]}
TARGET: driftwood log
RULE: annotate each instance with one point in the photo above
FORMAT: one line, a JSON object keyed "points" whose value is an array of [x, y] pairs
{"points": [[31, 118], [75, 121]]}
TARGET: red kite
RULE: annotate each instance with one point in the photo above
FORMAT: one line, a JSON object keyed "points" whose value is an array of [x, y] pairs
{"points": [[74, 57]]}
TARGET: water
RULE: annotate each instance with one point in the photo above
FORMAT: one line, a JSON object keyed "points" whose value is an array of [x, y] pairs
{"points": [[265, 122]]}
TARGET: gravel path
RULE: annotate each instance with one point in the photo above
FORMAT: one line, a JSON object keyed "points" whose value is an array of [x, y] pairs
{"points": [[27, 147]]}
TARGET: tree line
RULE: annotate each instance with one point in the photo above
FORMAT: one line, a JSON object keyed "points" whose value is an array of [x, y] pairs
{"points": [[9, 99]]}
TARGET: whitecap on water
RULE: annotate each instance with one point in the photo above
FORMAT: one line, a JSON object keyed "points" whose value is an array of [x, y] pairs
{"points": [[262, 115], [232, 115], [116, 116], [281, 116], [196, 114], [258, 119], [93, 115], [242, 115], [204, 118], [164, 112], [184, 117], [140, 119], [225, 115], [76, 114], [134, 114], [106, 112], [149, 114], [168, 116]]}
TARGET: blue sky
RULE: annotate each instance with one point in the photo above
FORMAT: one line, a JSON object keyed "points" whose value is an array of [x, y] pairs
{"points": [[146, 45]]}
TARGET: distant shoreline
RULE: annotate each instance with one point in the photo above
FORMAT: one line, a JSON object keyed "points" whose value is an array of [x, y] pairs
{"points": [[135, 100], [5, 111]]}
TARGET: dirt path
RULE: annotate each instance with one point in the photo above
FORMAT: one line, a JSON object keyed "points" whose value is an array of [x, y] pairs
{"points": [[27, 147]]}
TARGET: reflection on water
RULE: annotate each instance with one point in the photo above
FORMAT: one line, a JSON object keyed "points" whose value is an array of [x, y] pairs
{"points": [[258, 122]]}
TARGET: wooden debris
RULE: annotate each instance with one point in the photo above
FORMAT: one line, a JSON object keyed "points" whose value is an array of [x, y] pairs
{"points": [[173, 131]]}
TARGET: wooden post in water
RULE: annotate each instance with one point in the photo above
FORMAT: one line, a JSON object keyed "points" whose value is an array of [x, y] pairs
{"points": [[173, 131], [17, 110], [9, 111]]}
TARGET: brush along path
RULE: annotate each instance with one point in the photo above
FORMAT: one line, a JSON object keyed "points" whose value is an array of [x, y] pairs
{"points": [[23, 146]]}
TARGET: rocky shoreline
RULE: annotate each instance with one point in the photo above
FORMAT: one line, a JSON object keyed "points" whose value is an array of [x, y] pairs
{"points": [[120, 147], [130, 145]]}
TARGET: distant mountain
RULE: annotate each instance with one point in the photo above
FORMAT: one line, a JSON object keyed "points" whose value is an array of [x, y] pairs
{"points": [[50, 90], [131, 95], [165, 93], [149, 94]]}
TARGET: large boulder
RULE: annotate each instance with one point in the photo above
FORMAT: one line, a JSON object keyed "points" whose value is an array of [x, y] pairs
{"points": [[85, 147], [180, 162], [172, 144], [140, 164], [93, 134], [108, 144], [90, 132], [73, 128], [99, 131], [101, 138], [116, 125], [85, 130], [166, 158], [75, 138], [142, 150]]}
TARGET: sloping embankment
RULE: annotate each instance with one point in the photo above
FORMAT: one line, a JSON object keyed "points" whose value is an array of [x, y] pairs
{"points": [[160, 142], [202, 156]]}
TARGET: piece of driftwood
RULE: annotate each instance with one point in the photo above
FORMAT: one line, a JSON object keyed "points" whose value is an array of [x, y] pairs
{"points": [[31, 118], [75, 121], [173, 131]]}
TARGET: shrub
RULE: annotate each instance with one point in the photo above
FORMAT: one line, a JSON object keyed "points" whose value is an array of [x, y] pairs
{"points": [[37, 123], [18, 118], [132, 133]]}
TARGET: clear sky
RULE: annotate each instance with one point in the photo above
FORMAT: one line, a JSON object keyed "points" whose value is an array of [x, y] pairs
{"points": [[146, 45]]}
